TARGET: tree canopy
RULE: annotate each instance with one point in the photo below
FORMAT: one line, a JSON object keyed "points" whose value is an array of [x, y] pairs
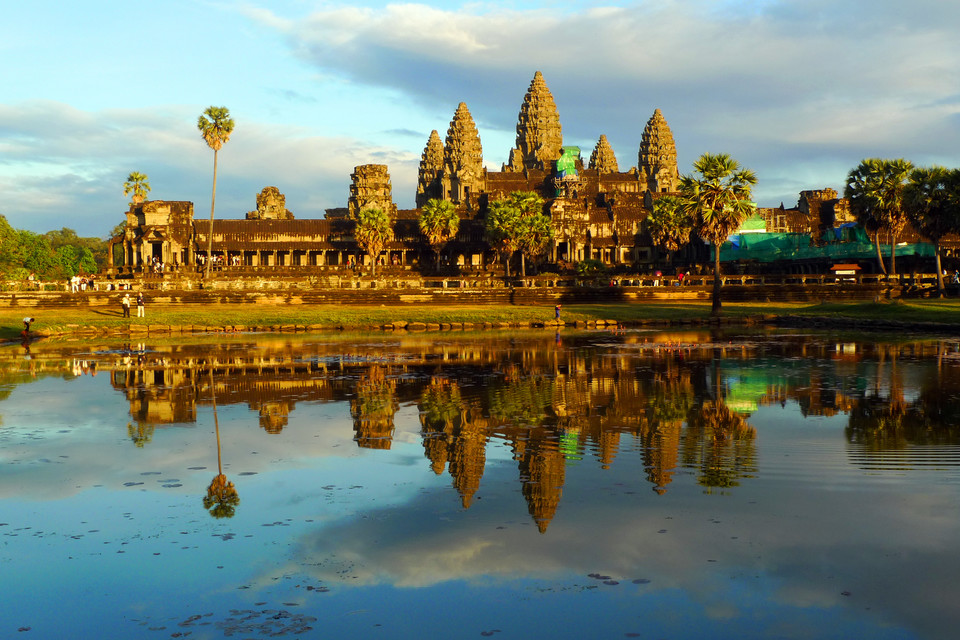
{"points": [[138, 185], [670, 223], [875, 190], [55, 255], [517, 223], [931, 201], [717, 196], [373, 231], [439, 223]]}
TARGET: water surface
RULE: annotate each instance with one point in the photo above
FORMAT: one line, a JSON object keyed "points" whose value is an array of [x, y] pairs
{"points": [[523, 484]]}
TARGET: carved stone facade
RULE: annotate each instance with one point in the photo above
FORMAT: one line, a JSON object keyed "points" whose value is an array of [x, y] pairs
{"points": [[431, 169], [157, 231], [657, 160], [603, 159], [370, 187], [271, 205], [539, 134], [464, 177]]}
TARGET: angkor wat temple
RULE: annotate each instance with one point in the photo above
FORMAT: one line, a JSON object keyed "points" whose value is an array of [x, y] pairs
{"points": [[597, 210]]}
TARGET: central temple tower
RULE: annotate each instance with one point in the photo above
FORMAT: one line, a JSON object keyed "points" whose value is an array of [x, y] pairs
{"points": [[539, 135]]}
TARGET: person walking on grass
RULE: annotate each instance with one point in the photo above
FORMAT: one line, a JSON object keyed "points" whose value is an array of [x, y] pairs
{"points": [[125, 304], [140, 312]]}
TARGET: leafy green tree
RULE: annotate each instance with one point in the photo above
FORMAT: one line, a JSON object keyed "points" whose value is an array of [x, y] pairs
{"points": [[9, 247], [875, 190], [36, 256], [93, 248], [439, 222], [670, 223], [931, 201], [518, 224], [137, 184], [502, 229], [717, 197], [373, 231], [215, 125], [590, 268], [535, 235]]}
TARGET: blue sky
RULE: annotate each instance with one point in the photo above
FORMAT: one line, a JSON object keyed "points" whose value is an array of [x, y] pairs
{"points": [[797, 90]]}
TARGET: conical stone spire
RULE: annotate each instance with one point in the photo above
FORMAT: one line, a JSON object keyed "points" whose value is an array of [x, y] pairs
{"points": [[431, 164], [603, 159], [539, 135], [657, 160], [462, 158]]}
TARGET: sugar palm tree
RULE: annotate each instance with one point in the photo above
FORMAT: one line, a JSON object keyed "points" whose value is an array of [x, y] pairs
{"points": [[718, 198], [373, 231], [931, 201], [215, 125], [439, 222], [875, 190], [137, 184]]}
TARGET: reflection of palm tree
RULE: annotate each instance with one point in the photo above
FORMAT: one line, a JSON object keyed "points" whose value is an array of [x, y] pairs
{"points": [[141, 434], [719, 441], [725, 451], [222, 498]]}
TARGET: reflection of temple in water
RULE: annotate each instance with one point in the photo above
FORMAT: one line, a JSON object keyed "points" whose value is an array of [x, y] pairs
{"points": [[679, 401]]}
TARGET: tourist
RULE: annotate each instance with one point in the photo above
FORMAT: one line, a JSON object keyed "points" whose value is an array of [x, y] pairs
{"points": [[26, 326], [125, 304], [556, 312], [140, 313]]}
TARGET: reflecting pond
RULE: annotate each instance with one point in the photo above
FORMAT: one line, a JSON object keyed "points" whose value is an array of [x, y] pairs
{"points": [[639, 484]]}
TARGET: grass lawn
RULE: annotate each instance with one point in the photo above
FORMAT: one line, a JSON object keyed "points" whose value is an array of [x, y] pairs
{"points": [[347, 316]]}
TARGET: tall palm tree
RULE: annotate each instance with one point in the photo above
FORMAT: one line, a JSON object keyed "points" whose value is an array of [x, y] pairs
{"points": [[215, 125], [875, 190], [439, 222], [718, 197], [137, 184], [932, 203]]}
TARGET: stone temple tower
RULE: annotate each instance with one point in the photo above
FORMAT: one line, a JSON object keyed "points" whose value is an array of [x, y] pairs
{"points": [[539, 135], [370, 187], [431, 169], [603, 159], [464, 177], [657, 159]]}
